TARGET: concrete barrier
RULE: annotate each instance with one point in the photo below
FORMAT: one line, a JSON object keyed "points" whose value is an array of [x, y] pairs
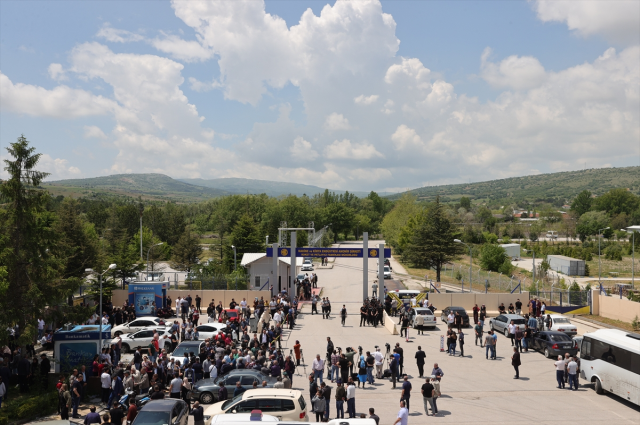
{"points": [[390, 324], [616, 308]]}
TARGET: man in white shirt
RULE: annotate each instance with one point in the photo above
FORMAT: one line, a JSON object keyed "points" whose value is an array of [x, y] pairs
{"points": [[105, 320], [40, 327], [175, 387], [277, 318], [450, 318], [560, 365], [318, 368], [572, 368], [378, 357], [105, 379], [512, 332], [403, 415], [243, 307], [351, 399], [213, 371]]}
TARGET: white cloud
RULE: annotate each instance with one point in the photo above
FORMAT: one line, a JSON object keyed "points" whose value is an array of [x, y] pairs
{"points": [[346, 150], [366, 100], [405, 137], [617, 20], [59, 168], [410, 71], [336, 122], [519, 73], [188, 51], [115, 35], [302, 150], [56, 72], [94, 132], [60, 102]]}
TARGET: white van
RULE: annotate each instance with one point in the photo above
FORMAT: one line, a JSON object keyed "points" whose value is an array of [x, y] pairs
{"points": [[284, 404]]}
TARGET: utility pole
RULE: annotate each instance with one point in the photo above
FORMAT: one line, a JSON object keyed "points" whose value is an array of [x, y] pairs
{"points": [[141, 210]]}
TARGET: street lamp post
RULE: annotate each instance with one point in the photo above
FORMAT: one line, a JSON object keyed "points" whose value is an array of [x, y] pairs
{"points": [[148, 251], [599, 238], [470, 263], [111, 267], [235, 264]]}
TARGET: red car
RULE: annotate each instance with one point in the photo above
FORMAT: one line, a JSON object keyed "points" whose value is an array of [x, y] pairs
{"points": [[233, 315]]}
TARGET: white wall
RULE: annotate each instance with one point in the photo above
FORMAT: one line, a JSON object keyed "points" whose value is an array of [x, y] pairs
{"points": [[262, 269]]}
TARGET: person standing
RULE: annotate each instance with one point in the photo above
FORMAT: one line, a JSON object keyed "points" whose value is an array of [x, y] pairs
{"points": [[351, 399], [420, 356], [560, 366], [393, 366], [198, 301], [572, 368], [512, 333], [515, 362], [313, 386], [519, 336], [343, 314], [318, 405], [65, 401], [436, 392], [457, 320], [175, 387], [404, 326], [363, 314], [318, 368], [373, 416], [476, 312], [341, 397], [420, 324], [527, 337], [197, 412], [105, 380], [478, 331], [406, 391], [326, 394], [403, 415], [379, 362], [461, 340], [518, 306], [335, 366], [400, 351], [427, 397], [370, 364]]}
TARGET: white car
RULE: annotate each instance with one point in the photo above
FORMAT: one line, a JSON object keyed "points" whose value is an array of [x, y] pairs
{"points": [[138, 324], [210, 330], [429, 317], [143, 338], [562, 324], [307, 266], [387, 273]]}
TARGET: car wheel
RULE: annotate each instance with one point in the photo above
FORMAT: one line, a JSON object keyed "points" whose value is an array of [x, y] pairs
{"points": [[125, 349], [206, 398], [546, 353], [118, 333], [598, 387], [506, 333]]}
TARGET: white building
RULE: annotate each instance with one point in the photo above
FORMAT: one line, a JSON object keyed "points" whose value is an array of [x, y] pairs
{"points": [[259, 267]]}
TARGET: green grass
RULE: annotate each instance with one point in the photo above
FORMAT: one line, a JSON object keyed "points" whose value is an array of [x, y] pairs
{"points": [[617, 323]]}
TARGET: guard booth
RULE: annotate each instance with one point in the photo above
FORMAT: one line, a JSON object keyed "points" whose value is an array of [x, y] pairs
{"points": [[74, 346], [147, 297]]}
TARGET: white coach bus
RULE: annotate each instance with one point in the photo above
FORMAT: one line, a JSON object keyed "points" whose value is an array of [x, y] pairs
{"points": [[610, 359]]}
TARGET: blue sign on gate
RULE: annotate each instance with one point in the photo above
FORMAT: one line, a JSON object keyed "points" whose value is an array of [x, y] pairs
{"points": [[329, 252]]}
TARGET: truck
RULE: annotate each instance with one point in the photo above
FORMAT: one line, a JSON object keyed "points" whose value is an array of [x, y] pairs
{"points": [[512, 250]]}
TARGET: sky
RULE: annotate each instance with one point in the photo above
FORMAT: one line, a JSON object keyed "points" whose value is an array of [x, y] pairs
{"points": [[354, 95]]}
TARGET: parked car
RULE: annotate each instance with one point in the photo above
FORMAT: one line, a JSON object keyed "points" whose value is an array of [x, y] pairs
{"points": [[142, 338], [232, 314], [186, 347], [242, 418], [553, 344], [137, 324], [501, 323], [206, 390], [386, 271], [286, 405], [429, 317], [168, 411], [210, 330], [300, 277], [307, 266], [459, 310], [561, 323]]}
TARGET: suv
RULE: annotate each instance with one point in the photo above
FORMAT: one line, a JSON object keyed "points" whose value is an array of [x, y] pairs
{"points": [[286, 405], [166, 411], [307, 266]]}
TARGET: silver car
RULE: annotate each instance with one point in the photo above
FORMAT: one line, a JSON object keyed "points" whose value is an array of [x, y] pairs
{"points": [[429, 317], [501, 323]]}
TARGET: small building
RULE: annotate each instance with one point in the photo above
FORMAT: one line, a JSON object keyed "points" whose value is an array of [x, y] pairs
{"points": [[566, 265], [512, 250], [632, 229], [259, 267]]}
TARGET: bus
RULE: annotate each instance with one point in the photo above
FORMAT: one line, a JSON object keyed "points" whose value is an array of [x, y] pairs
{"points": [[610, 359]]}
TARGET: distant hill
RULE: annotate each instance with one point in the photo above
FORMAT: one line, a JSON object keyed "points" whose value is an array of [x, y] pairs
{"points": [[271, 188], [564, 186], [149, 186]]}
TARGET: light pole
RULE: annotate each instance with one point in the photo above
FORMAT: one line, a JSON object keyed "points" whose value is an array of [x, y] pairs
{"points": [[599, 238], [111, 267], [267, 240], [470, 262], [141, 210], [235, 264], [148, 251]]}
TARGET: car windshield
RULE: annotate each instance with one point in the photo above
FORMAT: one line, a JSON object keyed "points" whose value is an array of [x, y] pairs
{"points": [[459, 310], [561, 320], [518, 321], [559, 337], [232, 314], [425, 312], [181, 349], [407, 296], [152, 418], [234, 400], [386, 268]]}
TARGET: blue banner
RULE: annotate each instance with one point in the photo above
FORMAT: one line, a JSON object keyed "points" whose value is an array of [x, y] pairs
{"points": [[329, 252], [146, 297]]}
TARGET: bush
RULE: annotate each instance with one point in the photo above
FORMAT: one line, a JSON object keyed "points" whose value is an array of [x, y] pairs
{"points": [[587, 272], [506, 267], [490, 237], [458, 276], [492, 257], [613, 252], [635, 324]]}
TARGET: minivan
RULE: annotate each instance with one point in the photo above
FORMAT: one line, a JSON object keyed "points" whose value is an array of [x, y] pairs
{"points": [[285, 404]]}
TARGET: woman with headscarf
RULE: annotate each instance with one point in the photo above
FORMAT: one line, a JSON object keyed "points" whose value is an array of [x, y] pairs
{"points": [[362, 372]]}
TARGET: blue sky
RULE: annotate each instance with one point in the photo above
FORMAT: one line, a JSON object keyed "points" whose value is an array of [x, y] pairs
{"points": [[355, 96]]}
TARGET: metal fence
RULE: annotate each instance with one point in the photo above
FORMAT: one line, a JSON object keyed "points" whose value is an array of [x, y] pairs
{"points": [[563, 298], [482, 278]]}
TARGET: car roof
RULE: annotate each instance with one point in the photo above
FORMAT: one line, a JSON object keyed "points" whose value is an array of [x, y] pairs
{"points": [[246, 371], [190, 343], [512, 316], [271, 392], [552, 333], [456, 308], [160, 405], [422, 309]]}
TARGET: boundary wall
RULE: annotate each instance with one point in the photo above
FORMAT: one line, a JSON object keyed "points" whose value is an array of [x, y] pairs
{"points": [[467, 300], [120, 295], [614, 307]]}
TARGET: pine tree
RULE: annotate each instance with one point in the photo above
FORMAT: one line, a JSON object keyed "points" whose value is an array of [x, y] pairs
{"points": [[432, 239], [187, 251]]}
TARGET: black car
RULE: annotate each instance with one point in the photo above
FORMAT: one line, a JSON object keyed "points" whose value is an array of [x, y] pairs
{"points": [[553, 344], [206, 390], [459, 310], [167, 411]]}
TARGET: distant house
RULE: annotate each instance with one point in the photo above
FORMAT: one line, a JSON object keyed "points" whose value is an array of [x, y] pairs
{"points": [[259, 267], [566, 207]]}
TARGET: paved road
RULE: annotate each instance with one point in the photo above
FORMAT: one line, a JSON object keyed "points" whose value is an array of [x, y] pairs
{"points": [[474, 389]]}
